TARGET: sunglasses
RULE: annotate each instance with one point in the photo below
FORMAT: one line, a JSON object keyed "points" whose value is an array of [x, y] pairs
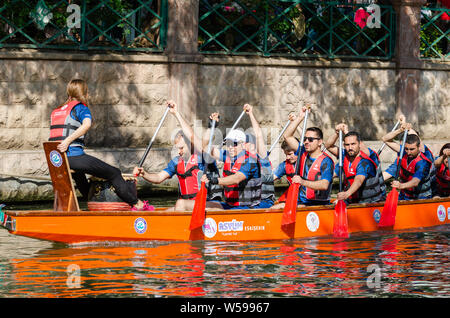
{"points": [[232, 143], [310, 139]]}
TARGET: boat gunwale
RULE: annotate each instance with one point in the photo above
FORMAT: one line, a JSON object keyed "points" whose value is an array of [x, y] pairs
{"points": [[162, 212]]}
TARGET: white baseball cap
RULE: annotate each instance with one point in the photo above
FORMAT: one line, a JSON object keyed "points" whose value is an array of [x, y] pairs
{"points": [[236, 136]]}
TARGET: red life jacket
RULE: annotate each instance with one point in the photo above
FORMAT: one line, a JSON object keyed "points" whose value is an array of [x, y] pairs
{"points": [[63, 125], [406, 174], [188, 177], [290, 173], [370, 190], [247, 192], [443, 181], [290, 170], [313, 175]]}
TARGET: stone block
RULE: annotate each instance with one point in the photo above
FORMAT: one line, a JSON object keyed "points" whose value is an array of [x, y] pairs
{"points": [[121, 115], [25, 93], [4, 93], [60, 71], [11, 138], [3, 116]]}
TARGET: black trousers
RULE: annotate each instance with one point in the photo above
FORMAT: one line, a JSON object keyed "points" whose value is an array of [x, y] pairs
{"points": [[86, 164]]}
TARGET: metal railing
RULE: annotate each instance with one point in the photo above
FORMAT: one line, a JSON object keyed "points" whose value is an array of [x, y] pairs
{"points": [[298, 28], [435, 33], [139, 25]]}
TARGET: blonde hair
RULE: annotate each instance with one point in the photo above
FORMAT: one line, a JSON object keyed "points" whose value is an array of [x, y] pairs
{"points": [[77, 89]]}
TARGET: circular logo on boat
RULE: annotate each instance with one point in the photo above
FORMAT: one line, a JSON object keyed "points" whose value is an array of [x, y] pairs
{"points": [[55, 158], [376, 215], [441, 213], [140, 225], [312, 221], [209, 228]]}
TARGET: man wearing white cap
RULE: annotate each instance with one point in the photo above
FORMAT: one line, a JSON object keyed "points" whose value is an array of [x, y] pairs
{"points": [[241, 178]]}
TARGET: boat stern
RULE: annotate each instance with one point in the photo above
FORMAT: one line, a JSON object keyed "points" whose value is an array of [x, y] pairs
{"points": [[7, 221]]}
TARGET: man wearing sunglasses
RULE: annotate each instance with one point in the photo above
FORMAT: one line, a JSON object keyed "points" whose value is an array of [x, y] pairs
{"points": [[316, 167]]}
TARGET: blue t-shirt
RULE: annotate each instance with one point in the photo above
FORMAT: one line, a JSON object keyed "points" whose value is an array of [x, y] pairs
{"points": [[82, 112], [280, 171], [249, 168]]}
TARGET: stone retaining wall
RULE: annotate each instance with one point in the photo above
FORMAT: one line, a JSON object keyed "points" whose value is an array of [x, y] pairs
{"points": [[128, 99]]}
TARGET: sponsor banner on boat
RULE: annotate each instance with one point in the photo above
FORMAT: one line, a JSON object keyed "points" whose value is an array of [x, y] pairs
{"points": [[211, 228], [312, 221], [441, 214]]}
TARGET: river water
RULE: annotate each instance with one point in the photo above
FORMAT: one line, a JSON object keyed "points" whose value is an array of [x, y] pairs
{"points": [[394, 264]]}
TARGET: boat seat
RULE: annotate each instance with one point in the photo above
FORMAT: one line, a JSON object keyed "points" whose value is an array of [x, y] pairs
{"points": [[61, 175]]}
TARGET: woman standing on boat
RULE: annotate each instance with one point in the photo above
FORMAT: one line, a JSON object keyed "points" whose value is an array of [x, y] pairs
{"points": [[69, 124], [443, 172]]}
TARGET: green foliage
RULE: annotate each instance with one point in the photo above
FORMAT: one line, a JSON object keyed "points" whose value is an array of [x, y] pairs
{"points": [[433, 41], [107, 22]]}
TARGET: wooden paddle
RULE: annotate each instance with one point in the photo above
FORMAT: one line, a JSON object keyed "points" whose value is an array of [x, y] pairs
{"points": [[198, 213], [340, 225], [153, 138], [278, 138], [235, 124], [290, 207], [384, 144], [387, 218]]}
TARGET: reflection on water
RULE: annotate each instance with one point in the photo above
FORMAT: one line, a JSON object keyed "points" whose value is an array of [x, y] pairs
{"points": [[395, 264]]}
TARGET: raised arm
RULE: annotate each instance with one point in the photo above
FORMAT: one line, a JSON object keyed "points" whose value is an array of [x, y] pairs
{"points": [[291, 129], [388, 139], [440, 160], [260, 143], [215, 153], [330, 143], [185, 127]]}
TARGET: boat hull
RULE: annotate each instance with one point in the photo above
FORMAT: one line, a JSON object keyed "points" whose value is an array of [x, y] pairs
{"points": [[231, 225]]}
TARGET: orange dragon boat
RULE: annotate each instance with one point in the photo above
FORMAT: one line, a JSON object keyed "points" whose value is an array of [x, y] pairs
{"points": [[66, 223]]}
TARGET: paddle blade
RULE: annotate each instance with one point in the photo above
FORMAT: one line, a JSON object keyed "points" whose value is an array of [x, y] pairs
{"points": [[290, 208], [198, 213], [387, 218], [340, 226]]}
